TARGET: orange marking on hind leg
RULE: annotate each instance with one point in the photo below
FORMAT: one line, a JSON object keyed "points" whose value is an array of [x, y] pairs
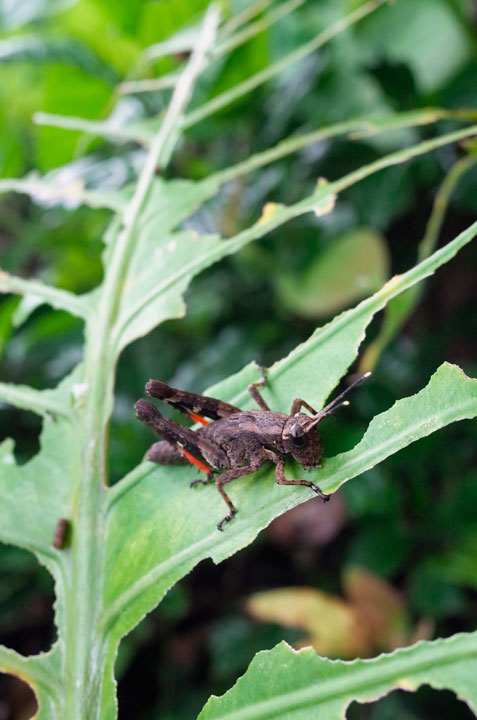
{"points": [[193, 461], [197, 418]]}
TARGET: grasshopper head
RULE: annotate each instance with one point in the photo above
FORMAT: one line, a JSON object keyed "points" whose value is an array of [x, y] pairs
{"points": [[305, 446], [299, 437]]}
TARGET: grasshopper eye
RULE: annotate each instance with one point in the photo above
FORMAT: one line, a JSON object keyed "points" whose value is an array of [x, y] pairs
{"points": [[297, 433]]}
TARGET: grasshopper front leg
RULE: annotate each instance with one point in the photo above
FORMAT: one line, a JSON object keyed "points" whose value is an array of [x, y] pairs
{"points": [[282, 480]]}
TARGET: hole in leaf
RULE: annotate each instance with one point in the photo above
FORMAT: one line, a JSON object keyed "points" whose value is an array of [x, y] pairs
{"points": [[44, 348], [24, 428], [424, 704], [26, 603], [17, 699]]}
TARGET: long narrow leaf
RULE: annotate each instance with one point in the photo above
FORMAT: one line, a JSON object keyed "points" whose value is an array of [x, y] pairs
{"points": [[147, 301], [131, 592], [71, 193], [41, 293], [39, 492], [229, 96], [282, 683], [401, 308]]}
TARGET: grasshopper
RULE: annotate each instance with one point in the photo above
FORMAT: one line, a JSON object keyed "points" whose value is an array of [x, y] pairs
{"points": [[236, 442]]}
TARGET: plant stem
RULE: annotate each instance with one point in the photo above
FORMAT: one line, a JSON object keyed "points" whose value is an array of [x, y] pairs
{"points": [[84, 655]]}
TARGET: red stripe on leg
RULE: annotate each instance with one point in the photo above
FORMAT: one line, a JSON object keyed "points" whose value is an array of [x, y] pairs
{"points": [[197, 418], [193, 461]]}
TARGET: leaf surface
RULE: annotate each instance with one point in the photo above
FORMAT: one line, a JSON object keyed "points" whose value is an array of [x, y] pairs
{"points": [[72, 193], [178, 256], [164, 540], [36, 293], [39, 492], [283, 683]]}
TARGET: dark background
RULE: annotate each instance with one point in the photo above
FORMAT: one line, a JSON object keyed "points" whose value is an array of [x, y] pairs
{"points": [[411, 521]]}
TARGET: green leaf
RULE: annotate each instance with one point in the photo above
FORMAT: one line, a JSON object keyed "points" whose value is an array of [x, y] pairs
{"points": [[127, 545], [108, 28], [146, 302], [283, 683], [229, 96], [43, 402], [74, 192], [39, 293], [41, 672], [399, 309], [449, 396], [163, 261], [142, 132], [36, 494], [167, 540], [354, 265], [71, 91]]}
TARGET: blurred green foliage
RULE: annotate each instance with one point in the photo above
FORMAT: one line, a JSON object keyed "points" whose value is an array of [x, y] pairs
{"points": [[412, 520]]}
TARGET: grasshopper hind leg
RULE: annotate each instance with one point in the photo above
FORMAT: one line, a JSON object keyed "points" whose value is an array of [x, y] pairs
{"points": [[203, 480], [224, 479], [165, 453]]}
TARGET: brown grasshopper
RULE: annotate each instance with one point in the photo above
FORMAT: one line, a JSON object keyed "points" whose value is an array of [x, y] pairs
{"points": [[238, 442]]}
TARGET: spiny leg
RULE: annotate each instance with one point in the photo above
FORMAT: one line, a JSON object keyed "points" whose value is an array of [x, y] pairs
{"points": [[190, 403], [164, 453], [282, 480], [226, 478], [168, 429], [186, 440], [252, 388]]}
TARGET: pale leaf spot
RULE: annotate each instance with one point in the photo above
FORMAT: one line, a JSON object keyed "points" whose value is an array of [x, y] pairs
{"points": [[327, 203], [268, 211]]}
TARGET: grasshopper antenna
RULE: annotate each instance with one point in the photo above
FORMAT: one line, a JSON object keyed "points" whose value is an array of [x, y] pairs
{"points": [[336, 403]]}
